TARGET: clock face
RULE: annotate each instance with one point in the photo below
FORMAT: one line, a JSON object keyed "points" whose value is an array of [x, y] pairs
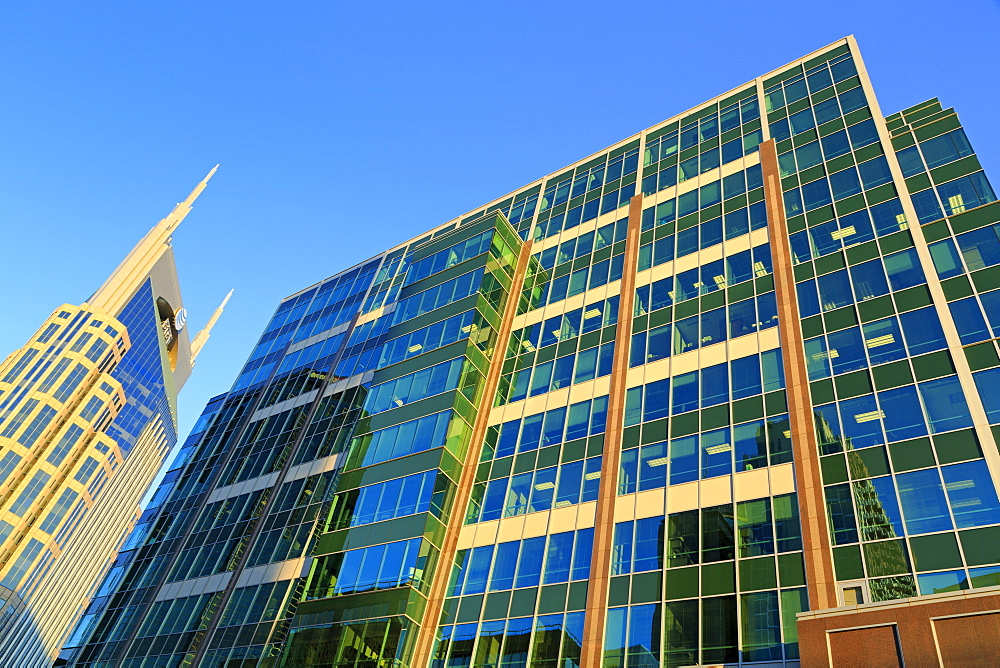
{"points": [[180, 319]]}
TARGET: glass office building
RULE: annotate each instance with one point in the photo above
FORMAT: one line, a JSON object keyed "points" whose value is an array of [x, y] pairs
{"points": [[684, 402], [87, 417]]}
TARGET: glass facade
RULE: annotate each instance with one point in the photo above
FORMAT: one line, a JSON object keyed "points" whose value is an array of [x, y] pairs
{"points": [[87, 416], [572, 427]]}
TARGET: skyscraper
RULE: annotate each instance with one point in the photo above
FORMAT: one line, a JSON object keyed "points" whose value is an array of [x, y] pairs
{"points": [[87, 417], [722, 392]]}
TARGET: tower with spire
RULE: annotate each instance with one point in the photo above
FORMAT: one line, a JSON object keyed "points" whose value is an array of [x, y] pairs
{"points": [[88, 414]]}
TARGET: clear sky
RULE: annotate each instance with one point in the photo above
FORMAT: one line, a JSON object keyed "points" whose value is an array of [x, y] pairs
{"points": [[343, 128]]}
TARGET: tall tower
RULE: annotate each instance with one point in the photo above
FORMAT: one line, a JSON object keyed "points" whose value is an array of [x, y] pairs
{"points": [[88, 413], [725, 392]]}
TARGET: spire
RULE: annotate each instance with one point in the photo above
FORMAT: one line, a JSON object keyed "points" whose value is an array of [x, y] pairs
{"points": [[145, 254], [180, 211], [201, 337]]}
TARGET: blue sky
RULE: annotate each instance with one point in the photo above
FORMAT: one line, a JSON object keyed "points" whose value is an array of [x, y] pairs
{"points": [[343, 128]]}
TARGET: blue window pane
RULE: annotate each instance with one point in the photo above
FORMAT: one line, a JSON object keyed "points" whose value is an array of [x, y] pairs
{"points": [[875, 172], [659, 343], [878, 510], [869, 280], [742, 318], [843, 526], [825, 238], [802, 121], [582, 552], [732, 150], [927, 206], [863, 133], [884, 341], [793, 202], [711, 233], [529, 567], [828, 432], [852, 100], [861, 423], [845, 183], [965, 193], [479, 567], [713, 277], [656, 400], [971, 493], [909, 161], [847, 350], [969, 320], [922, 330], [714, 385], [709, 160], [685, 393], [835, 290], [686, 335], [817, 358], [687, 203], [802, 248], [750, 445], [987, 383], [653, 466], [827, 110], [648, 545], [947, 262], [945, 403], [808, 155], [570, 479], [746, 377], [946, 148], [739, 268], [856, 228], [843, 70], [836, 145], [938, 583], [716, 453], [683, 459], [637, 350], [531, 432], [621, 548], [493, 501], [808, 299], [888, 217], [900, 418], [687, 285], [819, 80], [816, 194], [780, 130], [980, 248], [737, 223], [558, 558], [516, 502], [628, 471], [904, 269], [687, 241], [555, 421], [543, 488], [758, 216], [505, 566], [644, 634], [922, 497], [713, 326], [773, 371]]}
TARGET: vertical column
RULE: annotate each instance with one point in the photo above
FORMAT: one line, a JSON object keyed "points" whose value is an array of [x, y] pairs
{"points": [[962, 369], [820, 577], [604, 526], [435, 600]]}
